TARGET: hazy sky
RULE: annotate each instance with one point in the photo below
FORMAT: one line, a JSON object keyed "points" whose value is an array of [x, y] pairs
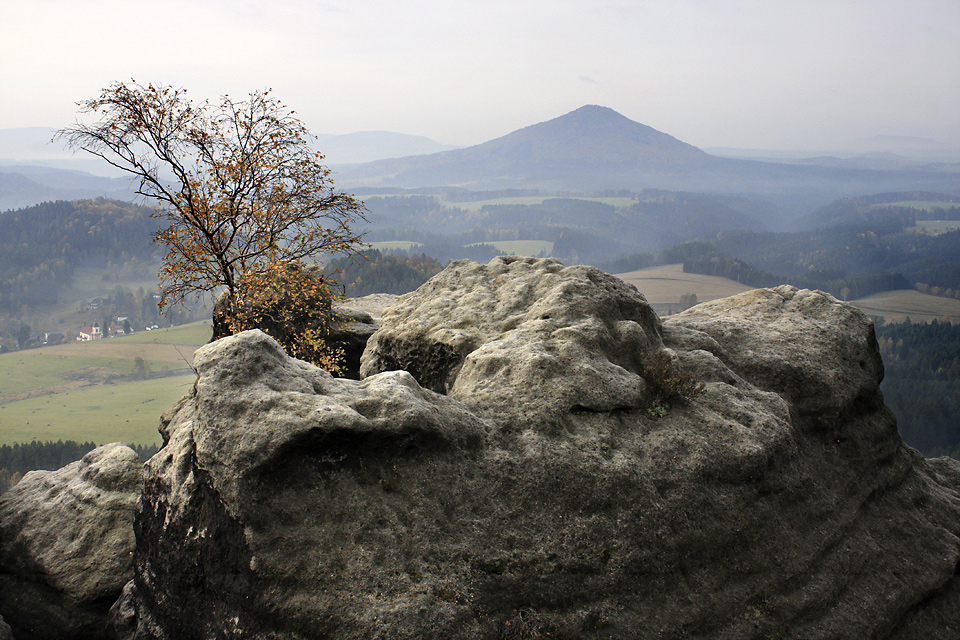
{"points": [[746, 73]]}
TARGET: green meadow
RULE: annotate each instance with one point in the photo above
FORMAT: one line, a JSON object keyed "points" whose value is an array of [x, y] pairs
{"points": [[476, 205], [96, 391], [520, 247], [127, 411], [389, 245], [664, 285]]}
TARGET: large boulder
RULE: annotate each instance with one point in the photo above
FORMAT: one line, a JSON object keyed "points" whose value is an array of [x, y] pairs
{"points": [[273, 472], [66, 544], [527, 343], [527, 476], [353, 321]]}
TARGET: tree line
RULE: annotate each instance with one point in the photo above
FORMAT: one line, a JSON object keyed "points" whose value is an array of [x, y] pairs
{"points": [[381, 272], [41, 246], [18, 459], [922, 383]]}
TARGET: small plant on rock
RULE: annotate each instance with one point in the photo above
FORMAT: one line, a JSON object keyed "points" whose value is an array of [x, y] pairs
{"points": [[667, 383], [526, 624], [290, 302]]}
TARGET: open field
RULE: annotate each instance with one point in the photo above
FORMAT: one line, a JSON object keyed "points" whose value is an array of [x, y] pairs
{"points": [[89, 283], [895, 306], [195, 333], [127, 412], [936, 227], [90, 391], [925, 205], [520, 247], [665, 284], [476, 205], [402, 245]]}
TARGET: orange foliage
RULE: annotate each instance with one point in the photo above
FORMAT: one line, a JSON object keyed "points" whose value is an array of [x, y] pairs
{"points": [[291, 303], [237, 183]]}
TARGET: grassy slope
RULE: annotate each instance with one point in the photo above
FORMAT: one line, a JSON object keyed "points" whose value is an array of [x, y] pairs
{"points": [[895, 306], [71, 313], [87, 391], [664, 285], [127, 412], [529, 200]]}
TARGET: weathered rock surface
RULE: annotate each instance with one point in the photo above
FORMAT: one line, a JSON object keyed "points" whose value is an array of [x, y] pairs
{"points": [[5, 632], [353, 321], [541, 493], [66, 544], [525, 342]]}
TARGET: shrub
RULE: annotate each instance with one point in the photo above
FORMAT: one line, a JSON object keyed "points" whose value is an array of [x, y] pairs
{"points": [[291, 303], [666, 382]]}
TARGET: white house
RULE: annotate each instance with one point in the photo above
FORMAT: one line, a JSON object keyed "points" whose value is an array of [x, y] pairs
{"points": [[90, 333]]}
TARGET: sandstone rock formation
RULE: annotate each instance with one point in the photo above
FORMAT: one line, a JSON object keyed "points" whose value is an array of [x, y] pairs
{"points": [[66, 545], [353, 321], [529, 344], [527, 474]]}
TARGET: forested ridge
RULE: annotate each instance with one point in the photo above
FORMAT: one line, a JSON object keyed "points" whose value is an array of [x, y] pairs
{"points": [[41, 246], [848, 263], [381, 272], [922, 383], [857, 247], [18, 459]]}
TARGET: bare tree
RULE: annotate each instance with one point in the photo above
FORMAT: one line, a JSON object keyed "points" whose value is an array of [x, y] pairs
{"points": [[245, 198], [237, 183]]}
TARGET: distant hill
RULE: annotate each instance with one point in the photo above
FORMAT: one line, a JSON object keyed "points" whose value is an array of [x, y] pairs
{"points": [[885, 152], [595, 148], [576, 151], [37, 146], [906, 146], [27, 185], [592, 149], [35, 168]]}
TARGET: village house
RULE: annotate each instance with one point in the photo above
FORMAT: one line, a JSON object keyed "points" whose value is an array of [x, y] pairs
{"points": [[90, 333]]}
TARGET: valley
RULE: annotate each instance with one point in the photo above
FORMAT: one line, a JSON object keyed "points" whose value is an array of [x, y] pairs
{"points": [[102, 391], [588, 187]]}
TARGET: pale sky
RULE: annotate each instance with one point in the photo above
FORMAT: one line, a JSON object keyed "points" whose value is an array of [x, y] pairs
{"points": [[774, 74]]}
